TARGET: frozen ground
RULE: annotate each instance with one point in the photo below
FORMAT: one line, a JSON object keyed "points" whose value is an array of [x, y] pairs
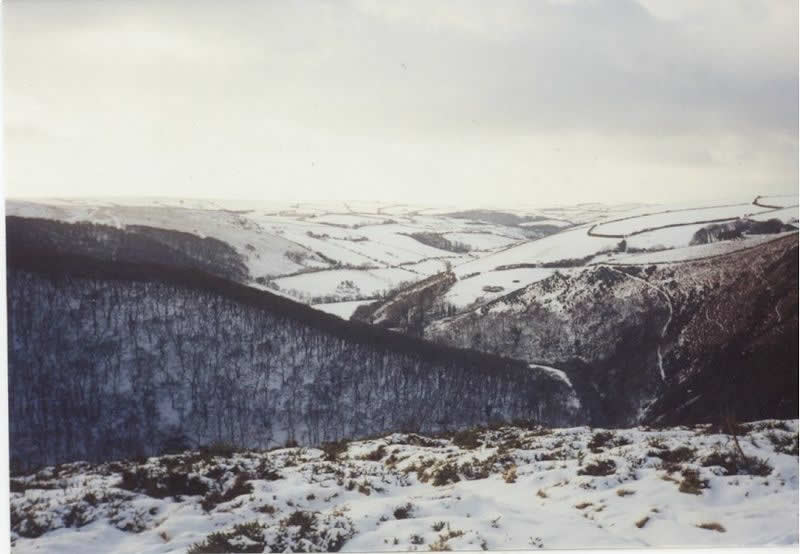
{"points": [[506, 488]]}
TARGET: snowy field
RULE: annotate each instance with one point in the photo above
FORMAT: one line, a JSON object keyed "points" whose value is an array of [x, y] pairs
{"points": [[279, 241], [699, 251], [341, 309], [483, 241], [503, 489], [593, 212], [571, 244], [345, 252], [344, 283], [492, 284], [678, 217], [783, 200], [555, 222], [671, 237], [787, 215]]}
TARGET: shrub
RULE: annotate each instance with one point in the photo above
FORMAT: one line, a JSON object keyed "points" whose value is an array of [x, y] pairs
{"points": [[20, 486], [363, 488], [467, 439], [476, 470], [304, 520], [220, 448], [404, 511], [679, 455], [599, 468], [333, 450], [624, 492], [510, 476], [441, 543], [692, 484], [304, 531], [600, 440], [376, 455], [267, 509], [512, 443], [267, 472], [726, 460], [28, 525], [161, 485], [416, 539], [240, 487], [550, 456], [231, 541], [215, 472], [642, 522], [771, 425], [713, 526], [755, 466], [77, 516], [438, 526], [735, 465], [726, 428], [784, 444], [448, 473]]}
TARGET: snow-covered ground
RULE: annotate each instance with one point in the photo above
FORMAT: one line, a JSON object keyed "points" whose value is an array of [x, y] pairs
{"points": [[787, 215], [555, 222], [593, 212], [501, 489], [677, 217], [671, 237], [571, 244], [344, 252], [281, 243], [344, 283], [694, 252], [492, 284], [784, 200], [341, 309], [482, 241]]}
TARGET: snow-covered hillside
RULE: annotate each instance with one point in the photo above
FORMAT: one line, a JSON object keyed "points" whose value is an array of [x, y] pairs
{"points": [[512, 487], [323, 254], [313, 253]]}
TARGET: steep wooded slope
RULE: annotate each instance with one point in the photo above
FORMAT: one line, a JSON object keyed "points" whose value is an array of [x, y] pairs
{"points": [[113, 359], [632, 336]]}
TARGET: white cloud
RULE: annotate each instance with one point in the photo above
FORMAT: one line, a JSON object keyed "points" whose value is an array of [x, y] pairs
{"points": [[570, 100]]}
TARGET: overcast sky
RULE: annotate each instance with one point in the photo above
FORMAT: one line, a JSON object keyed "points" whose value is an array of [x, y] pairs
{"points": [[472, 102]]}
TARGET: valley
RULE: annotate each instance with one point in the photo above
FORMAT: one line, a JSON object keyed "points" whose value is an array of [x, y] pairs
{"points": [[198, 376]]}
